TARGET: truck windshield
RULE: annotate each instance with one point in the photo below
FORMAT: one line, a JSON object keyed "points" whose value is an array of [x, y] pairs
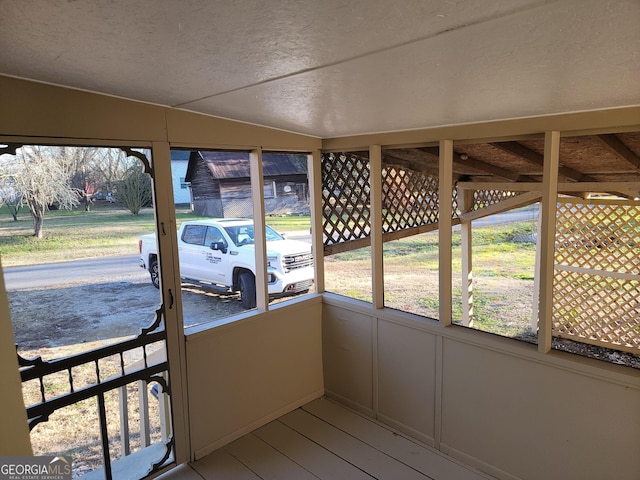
{"points": [[243, 234]]}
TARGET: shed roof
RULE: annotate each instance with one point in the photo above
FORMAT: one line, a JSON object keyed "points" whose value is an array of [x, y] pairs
{"points": [[236, 164]]}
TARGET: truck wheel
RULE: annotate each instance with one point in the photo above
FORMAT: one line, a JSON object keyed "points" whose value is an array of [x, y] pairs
{"points": [[248, 290], [155, 273]]}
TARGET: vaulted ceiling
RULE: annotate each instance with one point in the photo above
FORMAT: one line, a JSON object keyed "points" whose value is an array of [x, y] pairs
{"points": [[337, 67]]}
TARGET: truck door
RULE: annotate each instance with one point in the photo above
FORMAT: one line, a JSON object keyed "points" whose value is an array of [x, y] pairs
{"points": [[214, 264], [191, 250]]}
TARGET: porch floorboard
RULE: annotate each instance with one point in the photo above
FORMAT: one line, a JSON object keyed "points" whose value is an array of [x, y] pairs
{"points": [[324, 440]]}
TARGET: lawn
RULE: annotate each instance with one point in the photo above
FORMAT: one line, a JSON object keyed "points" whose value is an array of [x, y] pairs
{"points": [[503, 272], [104, 231], [71, 235]]}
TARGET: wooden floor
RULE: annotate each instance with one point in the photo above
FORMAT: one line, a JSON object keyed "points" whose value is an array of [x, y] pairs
{"points": [[323, 440]]}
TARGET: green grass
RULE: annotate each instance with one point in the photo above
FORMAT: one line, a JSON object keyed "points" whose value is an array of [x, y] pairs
{"points": [[71, 235], [494, 253], [289, 223], [104, 231], [503, 270]]}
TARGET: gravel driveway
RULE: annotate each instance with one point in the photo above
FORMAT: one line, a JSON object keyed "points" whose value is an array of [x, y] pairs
{"points": [[75, 314]]}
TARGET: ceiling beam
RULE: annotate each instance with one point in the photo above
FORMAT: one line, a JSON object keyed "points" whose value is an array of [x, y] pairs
{"points": [[537, 159], [401, 160], [618, 147], [483, 166]]}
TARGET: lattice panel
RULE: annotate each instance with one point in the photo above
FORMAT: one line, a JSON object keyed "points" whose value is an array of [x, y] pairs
{"points": [[455, 207], [597, 309], [484, 198], [410, 199], [345, 197], [597, 280], [601, 237]]}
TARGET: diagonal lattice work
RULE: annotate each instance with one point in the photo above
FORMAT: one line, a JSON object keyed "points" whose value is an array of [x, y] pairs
{"points": [[601, 237], [596, 291], [597, 309], [485, 198], [345, 198], [410, 199]]}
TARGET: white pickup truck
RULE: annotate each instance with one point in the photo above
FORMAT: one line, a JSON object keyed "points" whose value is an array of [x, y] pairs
{"points": [[219, 253]]}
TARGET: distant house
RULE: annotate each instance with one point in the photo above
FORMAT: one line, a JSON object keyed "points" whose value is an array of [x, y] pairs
{"points": [[179, 163], [221, 185]]}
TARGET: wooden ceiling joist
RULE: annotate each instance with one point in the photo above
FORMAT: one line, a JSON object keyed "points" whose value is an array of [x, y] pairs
{"points": [[620, 149], [536, 159], [400, 159], [600, 159], [483, 166]]}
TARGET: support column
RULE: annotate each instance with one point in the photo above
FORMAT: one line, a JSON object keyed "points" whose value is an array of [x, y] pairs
{"points": [[465, 202], [257, 189], [536, 279], [375, 216], [171, 292], [445, 212], [547, 237], [314, 171], [15, 440]]}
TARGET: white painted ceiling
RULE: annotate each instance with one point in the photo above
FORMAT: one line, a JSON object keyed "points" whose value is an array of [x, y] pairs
{"points": [[335, 67]]}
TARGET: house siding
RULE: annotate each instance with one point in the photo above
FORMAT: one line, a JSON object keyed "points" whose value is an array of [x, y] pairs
{"points": [[231, 196]]}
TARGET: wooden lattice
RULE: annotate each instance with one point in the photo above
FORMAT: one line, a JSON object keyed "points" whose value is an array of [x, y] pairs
{"points": [[600, 237], [596, 295], [484, 198], [345, 198], [410, 199], [455, 207], [595, 309], [410, 202]]}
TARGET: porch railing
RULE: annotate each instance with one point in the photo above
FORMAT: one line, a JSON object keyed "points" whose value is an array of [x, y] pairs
{"points": [[151, 368]]}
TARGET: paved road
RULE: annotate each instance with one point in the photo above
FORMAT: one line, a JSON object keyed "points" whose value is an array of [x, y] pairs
{"points": [[126, 268], [526, 214], [121, 268], [79, 271]]}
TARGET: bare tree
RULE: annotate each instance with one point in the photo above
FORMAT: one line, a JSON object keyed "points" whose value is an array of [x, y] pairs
{"points": [[11, 197], [42, 175], [134, 192], [85, 178], [110, 166]]}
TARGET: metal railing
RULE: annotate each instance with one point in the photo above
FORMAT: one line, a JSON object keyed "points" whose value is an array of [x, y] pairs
{"points": [[151, 368]]}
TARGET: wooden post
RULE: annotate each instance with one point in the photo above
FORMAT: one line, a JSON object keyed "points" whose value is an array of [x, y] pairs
{"points": [[445, 212], [165, 411], [465, 202], [375, 215], [536, 278], [172, 297], [547, 237], [257, 189], [123, 403], [314, 169], [143, 404]]}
